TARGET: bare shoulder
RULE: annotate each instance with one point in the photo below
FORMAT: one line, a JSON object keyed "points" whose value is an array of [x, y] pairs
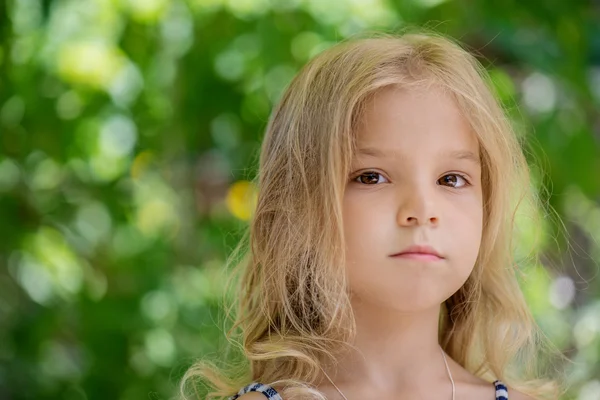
{"points": [[475, 387], [252, 396]]}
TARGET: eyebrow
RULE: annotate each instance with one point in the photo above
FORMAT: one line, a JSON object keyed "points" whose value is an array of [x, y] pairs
{"points": [[455, 154]]}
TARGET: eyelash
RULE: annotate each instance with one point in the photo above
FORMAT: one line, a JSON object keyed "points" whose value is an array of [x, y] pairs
{"points": [[355, 179]]}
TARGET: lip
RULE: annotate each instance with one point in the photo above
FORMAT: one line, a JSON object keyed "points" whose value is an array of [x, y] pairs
{"points": [[419, 252]]}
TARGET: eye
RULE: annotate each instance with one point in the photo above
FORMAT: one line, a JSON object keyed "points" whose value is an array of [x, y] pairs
{"points": [[454, 180], [368, 178]]}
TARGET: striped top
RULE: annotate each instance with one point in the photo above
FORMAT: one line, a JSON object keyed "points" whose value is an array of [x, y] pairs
{"points": [[271, 394]]}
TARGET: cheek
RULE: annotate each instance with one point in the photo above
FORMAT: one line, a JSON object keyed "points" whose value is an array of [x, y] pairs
{"points": [[366, 223], [463, 218], [466, 218], [366, 229], [464, 232]]}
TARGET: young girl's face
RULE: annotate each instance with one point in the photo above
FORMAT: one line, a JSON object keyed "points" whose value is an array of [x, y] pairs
{"points": [[416, 180]]}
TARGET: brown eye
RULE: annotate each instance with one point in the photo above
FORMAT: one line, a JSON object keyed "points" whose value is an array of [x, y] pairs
{"points": [[454, 180], [368, 178]]}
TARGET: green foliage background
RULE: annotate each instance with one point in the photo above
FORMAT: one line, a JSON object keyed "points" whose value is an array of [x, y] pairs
{"points": [[128, 129]]}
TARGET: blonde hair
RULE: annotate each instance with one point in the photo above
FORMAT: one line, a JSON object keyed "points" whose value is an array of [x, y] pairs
{"points": [[292, 310]]}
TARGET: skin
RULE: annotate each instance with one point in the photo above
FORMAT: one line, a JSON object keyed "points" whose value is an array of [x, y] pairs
{"points": [[410, 188]]}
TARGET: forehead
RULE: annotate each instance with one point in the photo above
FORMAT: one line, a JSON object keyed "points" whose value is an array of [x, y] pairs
{"points": [[414, 122]]}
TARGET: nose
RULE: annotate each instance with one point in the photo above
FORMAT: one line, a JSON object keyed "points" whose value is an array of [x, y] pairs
{"points": [[417, 206]]}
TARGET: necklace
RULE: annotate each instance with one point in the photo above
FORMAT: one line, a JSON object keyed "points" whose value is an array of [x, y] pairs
{"points": [[445, 362]]}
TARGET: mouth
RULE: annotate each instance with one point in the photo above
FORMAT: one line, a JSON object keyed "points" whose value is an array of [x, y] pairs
{"points": [[419, 253], [418, 256]]}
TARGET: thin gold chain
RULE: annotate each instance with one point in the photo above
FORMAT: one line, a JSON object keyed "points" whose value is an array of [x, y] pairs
{"points": [[445, 362]]}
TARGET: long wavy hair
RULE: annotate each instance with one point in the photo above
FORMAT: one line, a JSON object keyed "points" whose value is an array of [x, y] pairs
{"points": [[291, 310]]}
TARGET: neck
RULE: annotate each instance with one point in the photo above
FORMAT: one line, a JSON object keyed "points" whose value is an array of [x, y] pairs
{"points": [[394, 352]]}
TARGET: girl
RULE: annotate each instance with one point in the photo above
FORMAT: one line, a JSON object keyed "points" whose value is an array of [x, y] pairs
{"points": [[380, 260]]}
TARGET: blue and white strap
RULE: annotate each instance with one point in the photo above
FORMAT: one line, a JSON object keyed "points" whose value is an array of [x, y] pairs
{"points": [[501, 390], [267, 390]]}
